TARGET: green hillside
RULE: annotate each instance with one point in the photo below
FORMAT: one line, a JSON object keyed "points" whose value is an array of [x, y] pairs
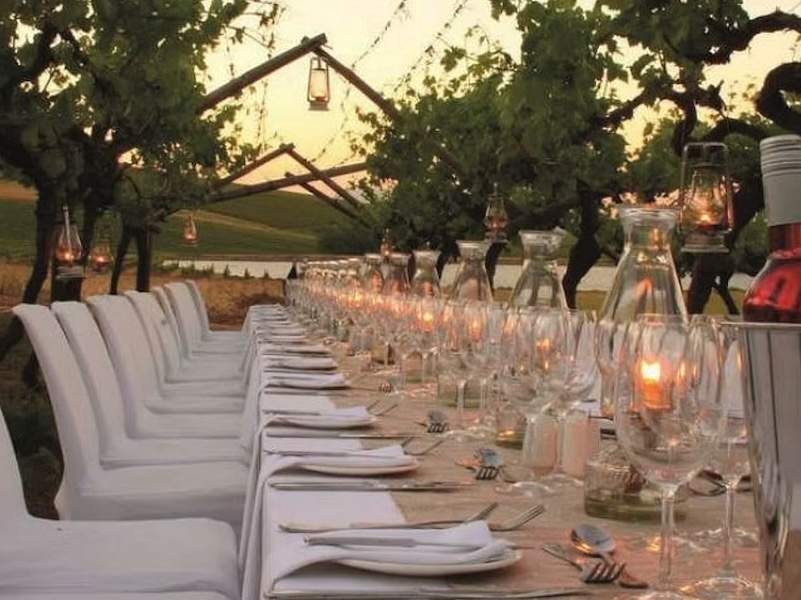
{"points": [[270, 223]]}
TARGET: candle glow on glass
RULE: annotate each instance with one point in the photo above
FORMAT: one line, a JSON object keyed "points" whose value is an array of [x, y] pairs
{"points": [[651, 386]]}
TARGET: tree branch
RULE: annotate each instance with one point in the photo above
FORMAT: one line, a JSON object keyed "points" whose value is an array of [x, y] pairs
{"points": [[771, 102], [41, 59]]}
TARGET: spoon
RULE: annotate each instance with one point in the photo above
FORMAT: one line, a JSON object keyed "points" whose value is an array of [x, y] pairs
{"points": [[594, 541]]}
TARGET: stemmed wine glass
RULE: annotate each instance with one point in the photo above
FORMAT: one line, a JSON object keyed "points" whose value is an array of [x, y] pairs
{"points": [[730, 461], [668, 414]]}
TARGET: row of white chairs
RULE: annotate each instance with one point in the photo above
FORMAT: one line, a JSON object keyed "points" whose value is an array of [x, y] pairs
{"points": [[148, 404]]}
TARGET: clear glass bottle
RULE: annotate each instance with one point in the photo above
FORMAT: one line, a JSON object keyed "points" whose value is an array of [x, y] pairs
{"points": [[539, 283], [645, 282], [425, 281], [397, 281], [373, 279], [472, 281]]}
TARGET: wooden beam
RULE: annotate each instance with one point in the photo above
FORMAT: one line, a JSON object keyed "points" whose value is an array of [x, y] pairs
{"points": [[386, 106], [282, 149], [237, 84], [277, 184], [330, 201], [310, 166]]}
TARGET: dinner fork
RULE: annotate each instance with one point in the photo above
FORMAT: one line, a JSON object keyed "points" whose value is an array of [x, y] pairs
{"points": [[590, 572], [490, 463], [437, 422], [518, 520], [422, 451]]}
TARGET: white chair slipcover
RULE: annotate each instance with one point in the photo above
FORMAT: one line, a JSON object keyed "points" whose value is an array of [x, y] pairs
{"points": [[90, 492], [112, 596], [189, 326], [162, 337], [137, 371], [206, 331], [41, 555], [121, 446]]}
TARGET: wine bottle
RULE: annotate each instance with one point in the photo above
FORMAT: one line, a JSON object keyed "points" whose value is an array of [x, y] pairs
{"points": [[775, 293]]}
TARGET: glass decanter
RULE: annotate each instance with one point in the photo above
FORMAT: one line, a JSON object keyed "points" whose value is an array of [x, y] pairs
{"points": [[373, 279], [425, 281], [472, 281], [539, 283], [397, 281], [645, 282]]}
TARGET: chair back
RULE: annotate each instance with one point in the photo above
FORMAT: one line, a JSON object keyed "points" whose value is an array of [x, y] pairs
{"points": [[128, 347], [75, 419], [83, 336], [172, 321], [200, 304], [185, 312], [158, 329], [12, 500]]}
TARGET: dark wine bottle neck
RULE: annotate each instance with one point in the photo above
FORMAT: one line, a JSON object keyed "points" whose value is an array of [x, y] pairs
{"points": [[785, 237]]}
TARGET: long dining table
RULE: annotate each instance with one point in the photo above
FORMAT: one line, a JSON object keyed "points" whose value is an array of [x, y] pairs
{"points": [[279, 563]]}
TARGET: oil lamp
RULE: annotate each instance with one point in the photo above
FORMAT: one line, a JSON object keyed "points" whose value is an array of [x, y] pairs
{"points": [[705, 197], [496, 219], [319, 89], [190, 234], [68, 249]]}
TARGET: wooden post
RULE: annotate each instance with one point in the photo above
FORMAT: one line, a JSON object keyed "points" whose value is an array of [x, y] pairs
{"points": [[345, 194], [282, 149], [385, 105], [237, 84], [277, 184]]}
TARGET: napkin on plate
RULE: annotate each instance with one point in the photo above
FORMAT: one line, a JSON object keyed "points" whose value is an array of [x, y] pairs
{"points": [[315, 363], [307, 381], [389, 456], [477, 534], [334, 418]]}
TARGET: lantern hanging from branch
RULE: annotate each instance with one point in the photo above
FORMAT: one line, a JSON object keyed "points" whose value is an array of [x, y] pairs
{"points": [[705, 198], [496, 219], [67, 249], [100, 256], [319, 89], [190, 234]]}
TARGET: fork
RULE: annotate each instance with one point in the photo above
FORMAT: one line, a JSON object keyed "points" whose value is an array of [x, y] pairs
{"points": [[591, 572], [518, 520], [478, 516], [422, 451], [437, 422], [490, 463]]}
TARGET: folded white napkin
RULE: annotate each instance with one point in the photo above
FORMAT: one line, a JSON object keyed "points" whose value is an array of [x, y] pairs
{"points": [[281, 339], [335, 418], [307, 381], [287, 328], [301, 363], [390, 457], [298, 554], [278, 348]]}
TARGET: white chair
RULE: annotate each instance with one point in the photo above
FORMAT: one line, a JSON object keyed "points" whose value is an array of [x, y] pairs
{"points": [[138, 370], [189, 326], [45, 556], [166, 348], [206, 332], [90, 492], [121, 443]]}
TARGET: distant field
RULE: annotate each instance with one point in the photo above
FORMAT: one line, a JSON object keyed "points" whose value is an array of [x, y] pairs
{"points": [[264, 224]]}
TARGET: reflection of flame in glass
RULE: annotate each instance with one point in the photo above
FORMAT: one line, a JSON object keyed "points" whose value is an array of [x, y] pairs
{"points": [[190, 231]]}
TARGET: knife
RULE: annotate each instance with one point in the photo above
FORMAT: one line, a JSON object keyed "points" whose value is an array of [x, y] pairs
{"points": [[369, 486], [345, 435], [384, 542]]}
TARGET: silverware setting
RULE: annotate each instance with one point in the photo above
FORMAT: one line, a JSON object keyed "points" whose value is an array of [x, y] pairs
{"points": [[437, 422], [428, 594], [591, 572], [594, 541], [478, 516], [370, 486]]}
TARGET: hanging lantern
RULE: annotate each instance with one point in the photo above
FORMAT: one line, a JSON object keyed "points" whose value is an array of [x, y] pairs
{"points": [[190, 230], [705, 198], [496, 219], [100, 256], [67, 250], [386, 246], [319, 90]]}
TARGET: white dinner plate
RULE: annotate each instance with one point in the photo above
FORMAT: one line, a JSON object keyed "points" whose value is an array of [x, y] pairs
{"points": [[307, 423], [423, 570], [361, 471]]}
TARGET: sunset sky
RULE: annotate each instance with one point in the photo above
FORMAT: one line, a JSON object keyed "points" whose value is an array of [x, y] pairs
{"points": [[351, 26]]}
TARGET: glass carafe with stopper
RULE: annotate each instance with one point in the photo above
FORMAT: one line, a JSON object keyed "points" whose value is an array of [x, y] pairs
{"points": [[425, 281], [645, 282], [539, 283], [472, 281]]}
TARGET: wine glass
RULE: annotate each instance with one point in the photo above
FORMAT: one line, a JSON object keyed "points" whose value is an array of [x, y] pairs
{"points": [[451, 365], [730, 460], [476, 344], [669, 414]]}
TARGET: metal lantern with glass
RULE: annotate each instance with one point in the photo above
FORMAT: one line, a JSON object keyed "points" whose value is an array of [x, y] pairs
{"points": [[319, 88], [705, 197], [68, 249], [190, 234], [496, 218]]}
